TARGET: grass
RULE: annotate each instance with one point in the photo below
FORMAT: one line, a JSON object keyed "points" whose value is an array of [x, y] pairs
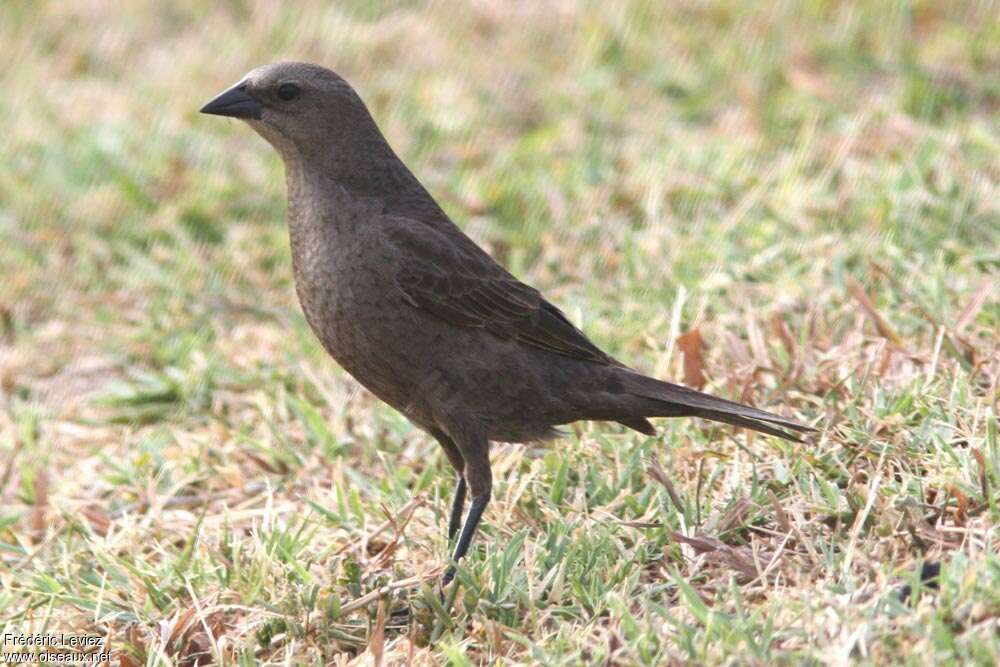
{"points": [[811, 187]]}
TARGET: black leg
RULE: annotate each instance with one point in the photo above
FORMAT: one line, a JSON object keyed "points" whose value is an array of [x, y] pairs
{"points": [[457, 505], [476, 509], [480, 480]]}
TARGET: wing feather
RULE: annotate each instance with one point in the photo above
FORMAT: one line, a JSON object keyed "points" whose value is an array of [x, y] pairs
{"points": [[456, 281]]}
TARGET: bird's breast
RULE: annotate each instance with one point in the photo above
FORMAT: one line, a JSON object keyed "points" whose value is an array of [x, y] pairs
{"points": [[349, 299]]}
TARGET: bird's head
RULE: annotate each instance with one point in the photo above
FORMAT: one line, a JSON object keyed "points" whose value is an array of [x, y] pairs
{"points": [[298, 108]]}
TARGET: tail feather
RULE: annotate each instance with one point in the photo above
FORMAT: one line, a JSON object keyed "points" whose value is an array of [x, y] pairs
{"points": [[672, 400], [640, 424]]}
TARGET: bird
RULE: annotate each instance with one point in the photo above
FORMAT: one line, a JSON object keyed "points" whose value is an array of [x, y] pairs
{"points": [[421, 315]]}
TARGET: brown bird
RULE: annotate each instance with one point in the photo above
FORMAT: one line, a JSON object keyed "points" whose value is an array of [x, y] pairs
{"points": [[421, 315]]}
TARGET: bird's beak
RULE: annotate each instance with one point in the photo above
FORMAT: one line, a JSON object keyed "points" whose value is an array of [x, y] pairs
{"points": [[235, 102]]}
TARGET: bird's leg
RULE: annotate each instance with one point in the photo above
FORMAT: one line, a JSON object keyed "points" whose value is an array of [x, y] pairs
{"points": [[480, 481], [458, 463], [457, 505], [476, 509]]}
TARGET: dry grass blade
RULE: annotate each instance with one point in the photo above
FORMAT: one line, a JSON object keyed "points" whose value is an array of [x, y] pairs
{"points": [[409, 582], [691, 346], [717, 551], [971, 310], [735, 517], [883, 326], [38, 521], [376, 644], [984, 484], [784, 335], [660, 475], [780, 516], [401, 519]]}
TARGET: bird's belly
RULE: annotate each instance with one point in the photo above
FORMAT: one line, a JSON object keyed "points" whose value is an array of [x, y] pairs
{"points": [[397, 352]]}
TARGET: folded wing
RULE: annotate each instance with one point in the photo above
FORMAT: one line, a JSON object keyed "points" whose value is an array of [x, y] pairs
{"points": [[453, 279]]}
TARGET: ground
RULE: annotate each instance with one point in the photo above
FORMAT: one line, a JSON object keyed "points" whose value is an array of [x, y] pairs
{"points": [[793, 204]]}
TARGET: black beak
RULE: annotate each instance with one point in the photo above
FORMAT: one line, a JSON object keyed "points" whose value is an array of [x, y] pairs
{"points": [[235, 102]]}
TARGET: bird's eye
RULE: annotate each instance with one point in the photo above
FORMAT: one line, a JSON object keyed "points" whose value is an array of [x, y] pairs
{"points": [[288, 91]]}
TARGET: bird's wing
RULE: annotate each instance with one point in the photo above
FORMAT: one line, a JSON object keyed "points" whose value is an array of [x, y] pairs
{"points": [[449, 276]]}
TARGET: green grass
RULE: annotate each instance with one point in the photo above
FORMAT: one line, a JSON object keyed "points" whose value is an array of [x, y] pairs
{"points": [[813, 186]]}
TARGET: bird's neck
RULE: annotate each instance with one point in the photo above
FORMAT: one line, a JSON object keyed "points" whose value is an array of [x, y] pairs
{"points": [[364, 170]]}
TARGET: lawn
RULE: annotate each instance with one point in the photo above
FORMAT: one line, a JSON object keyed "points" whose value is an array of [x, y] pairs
{"points": [[794, 204]]}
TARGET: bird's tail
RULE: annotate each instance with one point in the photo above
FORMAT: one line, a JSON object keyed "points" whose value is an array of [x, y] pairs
{"points": [[657, 398]]}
